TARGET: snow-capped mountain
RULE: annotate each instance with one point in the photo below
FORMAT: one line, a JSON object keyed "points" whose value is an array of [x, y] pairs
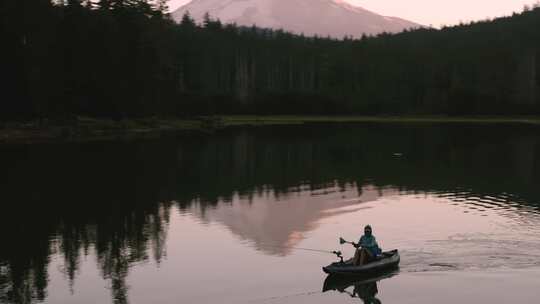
{"points": [[334, 18]]}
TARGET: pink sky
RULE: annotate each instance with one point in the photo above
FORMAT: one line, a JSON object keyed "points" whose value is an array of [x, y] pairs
{"points": [[432, 12]]}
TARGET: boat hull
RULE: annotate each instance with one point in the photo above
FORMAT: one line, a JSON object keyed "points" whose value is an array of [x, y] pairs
{"points": [[390, 261]]}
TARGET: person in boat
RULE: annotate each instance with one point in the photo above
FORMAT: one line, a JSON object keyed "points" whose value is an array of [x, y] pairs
{"points": [[367, 248]]}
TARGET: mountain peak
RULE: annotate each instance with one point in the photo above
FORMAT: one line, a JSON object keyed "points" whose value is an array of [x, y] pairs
{"points": [[335, 18]]}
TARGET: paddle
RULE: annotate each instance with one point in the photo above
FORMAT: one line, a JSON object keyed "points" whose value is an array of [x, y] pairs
{"points": [[343, 241]]}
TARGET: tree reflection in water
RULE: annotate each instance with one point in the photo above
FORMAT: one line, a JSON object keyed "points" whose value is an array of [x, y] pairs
{"points": [[103, 199], [118, 242]]}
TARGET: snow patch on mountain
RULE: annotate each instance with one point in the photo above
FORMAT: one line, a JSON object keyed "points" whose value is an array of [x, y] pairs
{"points": [[335, 18]]}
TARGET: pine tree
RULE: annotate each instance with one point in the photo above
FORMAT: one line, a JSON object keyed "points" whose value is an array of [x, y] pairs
{"points": [[162, 6], [187, 21], [104, 4], [118, 4], [210, 23], [207, 21], [141, 6], [74, 3]]}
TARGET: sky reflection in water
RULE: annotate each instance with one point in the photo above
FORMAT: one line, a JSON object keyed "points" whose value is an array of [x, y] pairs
{"points": [[196, 220]]}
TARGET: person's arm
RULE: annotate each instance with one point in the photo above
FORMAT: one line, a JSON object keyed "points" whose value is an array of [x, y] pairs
{"points": [[377, 247], [360, 242]]}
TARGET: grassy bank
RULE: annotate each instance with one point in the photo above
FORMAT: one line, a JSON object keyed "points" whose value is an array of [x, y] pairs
{"points": [[91, 129], [275, 120]]}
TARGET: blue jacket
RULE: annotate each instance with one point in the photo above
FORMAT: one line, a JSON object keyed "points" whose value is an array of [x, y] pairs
{"points": [[370, 243]]}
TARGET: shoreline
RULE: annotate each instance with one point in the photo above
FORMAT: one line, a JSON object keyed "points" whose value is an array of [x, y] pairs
{"points": [[84, 129], [300, 119]]}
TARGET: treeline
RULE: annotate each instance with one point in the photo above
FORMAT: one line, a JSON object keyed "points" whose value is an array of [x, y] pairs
{"points": [[126, 58]]}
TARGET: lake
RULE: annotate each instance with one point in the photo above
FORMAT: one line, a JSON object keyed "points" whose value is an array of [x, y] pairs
{"points": [[237, 216]]}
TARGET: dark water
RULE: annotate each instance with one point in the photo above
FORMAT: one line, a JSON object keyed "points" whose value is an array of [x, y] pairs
{"points": [[220, 218]]}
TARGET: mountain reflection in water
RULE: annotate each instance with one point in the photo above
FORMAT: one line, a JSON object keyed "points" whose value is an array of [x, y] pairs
{"points": [[276, 224], [268, 186]]}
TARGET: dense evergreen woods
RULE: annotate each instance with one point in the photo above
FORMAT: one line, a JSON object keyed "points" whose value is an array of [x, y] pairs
{"points": [[126, 58]]}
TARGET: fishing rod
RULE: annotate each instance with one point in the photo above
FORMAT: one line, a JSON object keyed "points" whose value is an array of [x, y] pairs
{"points": [[341, 242], [337, 253], [299, 248]]}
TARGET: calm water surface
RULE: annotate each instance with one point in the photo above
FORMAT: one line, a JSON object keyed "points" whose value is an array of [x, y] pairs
{"points": [[226, 217]]}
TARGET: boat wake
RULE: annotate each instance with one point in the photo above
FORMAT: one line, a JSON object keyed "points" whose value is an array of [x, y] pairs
{"points": [[471, 254]]}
